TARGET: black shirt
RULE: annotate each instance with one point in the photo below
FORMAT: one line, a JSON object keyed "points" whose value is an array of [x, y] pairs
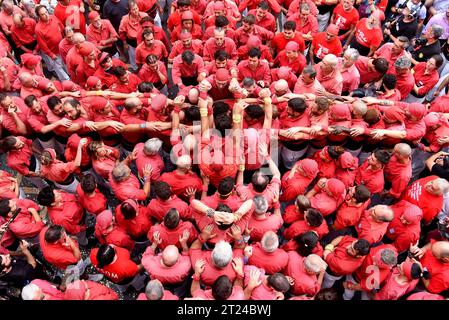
{"points": [[424, 53], [440, 171], [114, 11], [406, 29], [20, 273]]}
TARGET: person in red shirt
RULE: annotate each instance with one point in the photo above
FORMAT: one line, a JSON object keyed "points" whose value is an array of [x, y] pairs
{"points": [[171, 230], [371, 70], [150, 46], [259, 286], [125, 184], [345, 17], [250, 28], [49, 32], [398, 171], [133, 218], [307, 273], [89, 196], [64, 209], [291, 57], [344, 255], [350, 211], [383, 258], [434, 256], [164, 201], [188, 69], [23, 35], [169, 267], [255, 42], [426, 77], [328, 74], [255, 68], [219, 9], [264, 18], [392, 51], [154, 71], [373, 223], [41, 290], [405, 228], [71, 13], [115, 263], [108, 232], [26, 225], [127, 82], [367, 35], [20, 156], [58, 248], [221, 22], [187, 24], [14, 113], [175, 17], [182, 178], [427, 194], [325, 43], [306, 23], [101, 33], [261, 221], [89, 290], [280, 40], [297, 180], [327, 195], [267, 255], [219, 42], [186, 42]]}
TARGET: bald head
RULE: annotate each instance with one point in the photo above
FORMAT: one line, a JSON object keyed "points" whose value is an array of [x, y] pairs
{"points": [[440, 250], [281, 85], [219, 32], [403, 150], [25, 77], [359, 108], [270, 241], [78, 38], [184, 162], [17, 19], [383, 213], [170, 255]]}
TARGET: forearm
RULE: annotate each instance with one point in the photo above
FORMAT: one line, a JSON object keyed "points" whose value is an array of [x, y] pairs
{"points": [[49, 127], [21, 128], [79, 154], [147, 186]]}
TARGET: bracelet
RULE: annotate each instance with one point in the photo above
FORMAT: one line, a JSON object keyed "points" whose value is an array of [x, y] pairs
{"points": [[142, 125], [240, 241], [176, 109], [236, 118], [196, 278], [330, 247], [246, 238], [210, 212], [203, 112], [202, 240], [241, 167]]}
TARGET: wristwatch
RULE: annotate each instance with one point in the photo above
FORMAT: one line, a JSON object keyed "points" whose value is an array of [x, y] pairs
{"points": [[210, 213]]}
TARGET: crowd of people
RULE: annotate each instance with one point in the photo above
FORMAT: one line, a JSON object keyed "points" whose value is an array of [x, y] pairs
{"points": [[227, 150]]}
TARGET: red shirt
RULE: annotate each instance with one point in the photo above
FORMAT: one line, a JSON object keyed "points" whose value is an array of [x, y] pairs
{"points": [[385, 52], [57, 254], [68, 214], [96, 291], [5, 185], [322, 47], [175, 19], [348, 214], [268, 21], [120, 269], [71, 15], [439, 271], [340, 262], [178, 48], [172, 275], [271, 262], [292, 187], [417, 194], [301, 226], [130, 26], [398, 174], [19, 160], [372, 180], [370, 229], [279, 42], [157, 208], [137, 226], [171, 236], [180, 182], [305, 283], [104, 166], [117, 236], [333, 82], [311, 25], [296, 65], [143, 159], [167, 295], [271, 222], [181, 69], [404, 83], [343, 19], [24, 35], [95, 204], [425, 82], [22, 113], [210, 47], [262, 292], [263, 34], [24, 226], [366, 272], [368, 38], [157, 48], [392, 290], [403, 235], [99, 36], [292, 214], [237, 294], [128, 189], [49, 35], [366, 75], [211, 272], [149, 75], [262, 72]]}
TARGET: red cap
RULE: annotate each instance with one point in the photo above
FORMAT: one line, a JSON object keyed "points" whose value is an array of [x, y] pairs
{"points": [[86, 48], [103, 57], [187, 15], [158, 102], [98, 103], [93, 15], [222, 74], [219, 5], [292, 46], [92, 82], [284, 72], [185, 35], [30, 59], [68, 85]]}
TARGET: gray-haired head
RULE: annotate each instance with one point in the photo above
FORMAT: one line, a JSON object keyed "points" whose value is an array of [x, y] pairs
{"points": [[389, 257], [154, 290], [352, 54], [309, 70], [222, 254], [152, 146], [403, 63], [260, 205], [437, 31], [248, 82], [443, 186], [31, 292], [331, 59], [314, 263], [270, 241], [121, 172]]}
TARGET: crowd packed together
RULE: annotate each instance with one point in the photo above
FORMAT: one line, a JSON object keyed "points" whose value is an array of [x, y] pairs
{"points": [[227, 150]]}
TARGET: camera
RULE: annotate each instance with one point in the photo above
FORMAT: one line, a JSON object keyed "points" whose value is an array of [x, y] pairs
{"points": [[419, 42]]}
